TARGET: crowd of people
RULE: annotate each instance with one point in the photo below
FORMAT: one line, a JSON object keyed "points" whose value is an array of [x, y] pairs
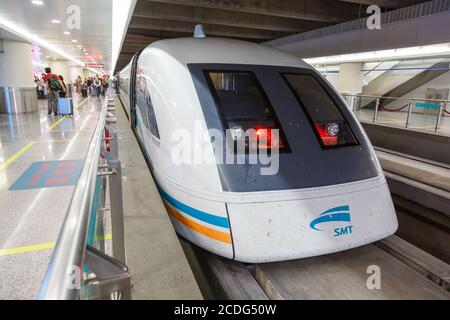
{"points": [[92, 86], [52, 87]]}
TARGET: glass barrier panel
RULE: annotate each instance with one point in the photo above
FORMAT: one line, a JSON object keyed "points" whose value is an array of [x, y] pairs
{"points": [[393, 112], [424, 115]]}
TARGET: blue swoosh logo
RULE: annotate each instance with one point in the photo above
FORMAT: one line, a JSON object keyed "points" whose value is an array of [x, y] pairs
{"points": [[338, 214]]}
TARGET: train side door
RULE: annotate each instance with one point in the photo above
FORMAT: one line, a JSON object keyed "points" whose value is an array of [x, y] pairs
{"points": [[133, 89]]}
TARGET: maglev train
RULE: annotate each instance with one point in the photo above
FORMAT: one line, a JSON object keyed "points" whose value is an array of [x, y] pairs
{"points": [[327, 192]]}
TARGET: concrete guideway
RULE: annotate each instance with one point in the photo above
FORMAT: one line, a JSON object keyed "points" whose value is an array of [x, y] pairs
{"points": [[406, 272]]}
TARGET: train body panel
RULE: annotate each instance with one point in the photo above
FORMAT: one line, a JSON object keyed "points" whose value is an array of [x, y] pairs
{"points": [[172, 100], [281, 230], [328, 193]]}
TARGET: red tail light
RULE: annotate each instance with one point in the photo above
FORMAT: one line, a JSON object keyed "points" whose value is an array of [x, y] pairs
{"points": [[328, 133], [266, 140]]}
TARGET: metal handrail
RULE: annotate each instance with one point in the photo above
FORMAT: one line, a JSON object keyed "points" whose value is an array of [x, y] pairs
{"points": [[393, 98], [442, 106], [69, 251]]}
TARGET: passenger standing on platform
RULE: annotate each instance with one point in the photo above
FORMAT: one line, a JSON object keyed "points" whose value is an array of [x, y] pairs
{"points": [[54, 86], [78, 83], [97, 86], [62, 94], [89, 85], [104, 86]]}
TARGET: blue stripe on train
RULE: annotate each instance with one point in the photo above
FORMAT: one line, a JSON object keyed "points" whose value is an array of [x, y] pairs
{"points": [[200, 215]]}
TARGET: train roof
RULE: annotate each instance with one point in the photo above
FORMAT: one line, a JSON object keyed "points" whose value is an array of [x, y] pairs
{"points": [[221, 50]]}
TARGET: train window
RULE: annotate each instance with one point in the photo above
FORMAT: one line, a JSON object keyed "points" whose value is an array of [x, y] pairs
{"points": [[326, 119], [145, 105], [245, 110]]}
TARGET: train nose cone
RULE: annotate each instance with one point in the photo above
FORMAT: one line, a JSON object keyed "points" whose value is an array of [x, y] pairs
{"points": [[283, 230]]}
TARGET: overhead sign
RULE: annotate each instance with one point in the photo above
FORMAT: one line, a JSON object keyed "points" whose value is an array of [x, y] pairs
{"points": [[49, 174], [94, 65]]}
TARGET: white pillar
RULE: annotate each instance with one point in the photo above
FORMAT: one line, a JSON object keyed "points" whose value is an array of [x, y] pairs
{"points": [[17, 88], [16, 66], [350, 78]]}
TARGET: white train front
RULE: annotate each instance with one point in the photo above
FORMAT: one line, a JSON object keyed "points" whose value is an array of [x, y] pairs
{"points": [[329, 192]]}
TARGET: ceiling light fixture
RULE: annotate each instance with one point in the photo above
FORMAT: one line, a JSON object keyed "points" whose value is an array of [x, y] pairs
{"points": [[74, 41], [55, 21], [37, 2], [67, 33]]}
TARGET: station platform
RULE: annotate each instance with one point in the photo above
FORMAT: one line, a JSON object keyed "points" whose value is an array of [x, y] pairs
{"points": [[31, 215], [159, 268], [41, 157]]}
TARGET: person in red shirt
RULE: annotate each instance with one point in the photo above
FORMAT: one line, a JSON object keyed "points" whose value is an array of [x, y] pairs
{"points": [[53, 94]]}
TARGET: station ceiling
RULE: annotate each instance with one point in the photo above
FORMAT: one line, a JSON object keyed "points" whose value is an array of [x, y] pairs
{"points": [[251, 20], [89, 42]]}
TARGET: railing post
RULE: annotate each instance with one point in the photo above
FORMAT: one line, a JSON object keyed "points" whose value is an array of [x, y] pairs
{"points": [[438, 120], [116, 201], [113, 144], [409, 114], [377, 106]]}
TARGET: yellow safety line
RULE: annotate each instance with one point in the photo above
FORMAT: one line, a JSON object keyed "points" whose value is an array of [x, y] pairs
{"points": [[81, 103], [37, 247], [56, 123], [107, 236], [27, 249], [6, 163]]}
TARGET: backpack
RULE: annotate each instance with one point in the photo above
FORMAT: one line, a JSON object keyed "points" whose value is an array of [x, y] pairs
{"points": [[54, 84]]}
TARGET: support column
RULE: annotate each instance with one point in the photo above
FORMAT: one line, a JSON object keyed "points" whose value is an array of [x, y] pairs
{"points": [[17, 88], [350, 78]]}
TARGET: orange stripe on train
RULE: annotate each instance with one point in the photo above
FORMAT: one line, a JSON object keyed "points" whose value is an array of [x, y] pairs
{"points": [[210, 233]]}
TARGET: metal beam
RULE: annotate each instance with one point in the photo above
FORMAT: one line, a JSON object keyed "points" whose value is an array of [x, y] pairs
{"points": [[215, 30], [183, 13], [139, 38], [161, 34], [315, 10], [389, 4]]}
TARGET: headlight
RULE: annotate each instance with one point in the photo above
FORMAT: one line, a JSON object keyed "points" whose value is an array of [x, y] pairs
{"points": [[333, 129]]}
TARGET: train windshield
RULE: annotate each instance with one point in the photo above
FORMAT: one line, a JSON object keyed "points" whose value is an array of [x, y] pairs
{"points": [[327, 121], [245, 111]]}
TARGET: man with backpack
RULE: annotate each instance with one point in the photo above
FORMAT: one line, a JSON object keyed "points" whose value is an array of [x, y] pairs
{"points": [[54, 86]]}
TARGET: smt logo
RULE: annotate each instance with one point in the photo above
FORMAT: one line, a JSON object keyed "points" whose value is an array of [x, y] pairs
{"points": [[335, 215]]}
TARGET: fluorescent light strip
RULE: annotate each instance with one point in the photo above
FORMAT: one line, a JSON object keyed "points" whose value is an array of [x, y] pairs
{"points": [[410, 52], [11, 27]]}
